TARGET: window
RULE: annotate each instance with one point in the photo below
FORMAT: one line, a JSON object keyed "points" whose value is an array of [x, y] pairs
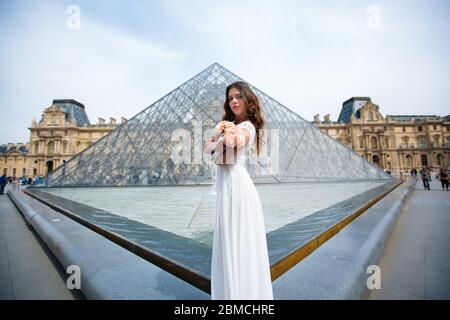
{"points": [[14, 171], [53, 119], [440, 160], [404, 129], [5, 171], [374, 143], [434, 127], [337, 131], [51, 147], [419, 128], [409, 161], [424, 160], [386, 142], [422, 143], [405, 141], [436, 142], [24, 171], [370, 116], [361, 142]]}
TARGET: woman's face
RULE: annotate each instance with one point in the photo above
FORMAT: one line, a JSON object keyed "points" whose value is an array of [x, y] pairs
{"points": [[237, 103]]}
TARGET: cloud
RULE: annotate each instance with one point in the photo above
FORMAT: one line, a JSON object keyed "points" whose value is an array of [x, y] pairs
{"points": [[309, 56], [112, 72]]}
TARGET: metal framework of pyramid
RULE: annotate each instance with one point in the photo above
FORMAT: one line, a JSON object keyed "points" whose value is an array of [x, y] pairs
{"points": [[139, 152]]}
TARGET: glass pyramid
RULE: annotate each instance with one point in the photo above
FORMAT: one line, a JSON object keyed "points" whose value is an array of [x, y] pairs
{"points": [[140, 151]]}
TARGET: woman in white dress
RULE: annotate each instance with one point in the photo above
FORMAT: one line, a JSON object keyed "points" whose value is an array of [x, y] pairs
{"points": [[240, 266]]}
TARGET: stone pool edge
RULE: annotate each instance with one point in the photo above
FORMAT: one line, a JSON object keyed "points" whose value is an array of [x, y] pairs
{"points": [[330, 272]]}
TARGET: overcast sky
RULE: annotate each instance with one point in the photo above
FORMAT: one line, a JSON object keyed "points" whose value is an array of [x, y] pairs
{"points": [[121, 56]]}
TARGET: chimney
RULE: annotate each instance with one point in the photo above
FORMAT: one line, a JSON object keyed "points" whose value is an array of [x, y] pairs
{"points": [[123, 120], [316, 118], [101, 121], [112, 121], [326, 118]]}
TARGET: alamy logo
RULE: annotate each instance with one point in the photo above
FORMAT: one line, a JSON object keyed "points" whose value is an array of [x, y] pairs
{"points": [[373, 21], [374, 281], [74, 19], [74, 280]]}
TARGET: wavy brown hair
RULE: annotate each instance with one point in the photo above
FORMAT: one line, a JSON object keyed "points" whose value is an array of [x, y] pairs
{"points": [[254, 113]]}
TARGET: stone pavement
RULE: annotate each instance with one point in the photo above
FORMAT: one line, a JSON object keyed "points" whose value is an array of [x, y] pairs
{"points": [[416, 259], [28, 270], [415, 264]]}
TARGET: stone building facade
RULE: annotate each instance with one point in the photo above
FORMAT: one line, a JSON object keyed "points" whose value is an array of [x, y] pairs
{"points": [[394, 142], [63, 131]]}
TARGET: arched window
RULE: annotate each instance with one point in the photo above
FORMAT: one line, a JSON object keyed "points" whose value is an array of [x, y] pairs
{"points": [[51, 147], [374, 143], [376, 160], [424, 159]]}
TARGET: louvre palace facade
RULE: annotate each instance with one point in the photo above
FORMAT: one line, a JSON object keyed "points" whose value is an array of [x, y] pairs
{"points": [[63, 131], [393, 142]]}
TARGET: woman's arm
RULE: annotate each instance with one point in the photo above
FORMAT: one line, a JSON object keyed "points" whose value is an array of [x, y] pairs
{"points": [[210, 146]]}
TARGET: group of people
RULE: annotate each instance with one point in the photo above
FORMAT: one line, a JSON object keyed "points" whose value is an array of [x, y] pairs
{"points": [[14, 181], [425, 174]]}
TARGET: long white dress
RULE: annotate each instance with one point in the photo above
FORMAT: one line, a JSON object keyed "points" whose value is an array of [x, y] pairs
{"points": [[240, 264]]}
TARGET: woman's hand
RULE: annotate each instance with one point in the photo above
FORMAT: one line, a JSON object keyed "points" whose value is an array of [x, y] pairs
{"points": [[224, 125], [236, 137]]}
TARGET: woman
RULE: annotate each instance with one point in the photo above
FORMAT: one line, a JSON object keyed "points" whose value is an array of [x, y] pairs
{"points": [[240, 264], [443, 176]]}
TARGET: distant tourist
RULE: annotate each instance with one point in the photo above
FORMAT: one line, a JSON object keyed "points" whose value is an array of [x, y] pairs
{"points": [[424, 175], [443, 177], [2, 183]]}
